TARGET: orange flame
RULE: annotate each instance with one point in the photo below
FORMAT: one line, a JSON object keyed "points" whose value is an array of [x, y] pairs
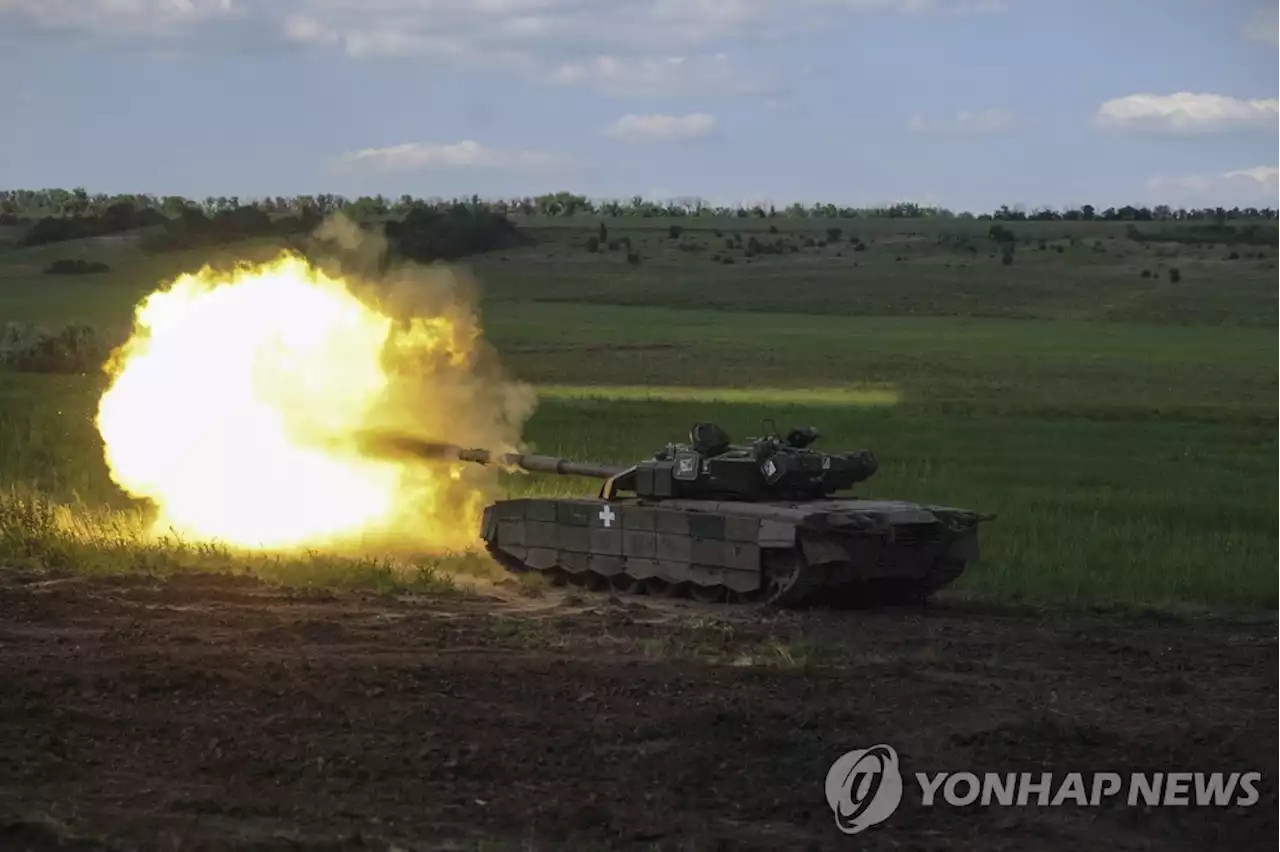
{"points": [[235, 404]]}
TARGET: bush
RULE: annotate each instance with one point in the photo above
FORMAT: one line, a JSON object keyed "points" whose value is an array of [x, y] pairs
{"points": [[76, 267], [76, 348], [1175, 275], [193, 229], [1007, 258], [56, 229], [614, 245], [674, 232], [593, 244], [426, 235], [121, 216], [1001, 234], [833, 234], [1146, 273], [633, 258]]}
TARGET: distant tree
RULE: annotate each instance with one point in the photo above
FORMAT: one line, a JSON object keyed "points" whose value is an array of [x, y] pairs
{"points": [[76, 267], [32, 205], [1001, 234]]}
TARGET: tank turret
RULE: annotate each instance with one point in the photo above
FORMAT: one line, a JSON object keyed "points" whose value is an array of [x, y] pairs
{"points": [[772, 467], [709, 466]]}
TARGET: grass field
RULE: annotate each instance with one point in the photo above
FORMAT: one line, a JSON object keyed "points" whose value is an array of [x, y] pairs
{"points": [[1122, 427]]}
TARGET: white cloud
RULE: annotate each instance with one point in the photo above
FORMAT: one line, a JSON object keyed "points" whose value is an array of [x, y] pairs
{"points": [[1187, 112], [1263, 26], [661, 128], [985, 121], [660, 76], [593, 26], [418, 156], [652, 47], [646, 24], [1257, 186], [119, 17]]}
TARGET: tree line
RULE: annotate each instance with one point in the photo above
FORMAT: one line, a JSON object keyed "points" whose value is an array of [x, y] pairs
{"points": [[422, 233], [27, 206]]}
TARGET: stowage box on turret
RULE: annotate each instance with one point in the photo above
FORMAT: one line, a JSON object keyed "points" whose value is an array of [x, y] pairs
{"points": [[718, 521]]}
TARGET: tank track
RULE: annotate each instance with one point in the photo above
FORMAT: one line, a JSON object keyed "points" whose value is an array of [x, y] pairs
{"points": [[789, 582]]}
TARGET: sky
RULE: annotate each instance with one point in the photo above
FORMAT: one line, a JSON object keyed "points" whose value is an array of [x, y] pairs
{"points": [[966, 104]]}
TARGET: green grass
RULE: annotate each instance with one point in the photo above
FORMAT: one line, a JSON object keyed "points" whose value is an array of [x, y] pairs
{"points": [[1072, 368], [1128, 462], [905, 271]]}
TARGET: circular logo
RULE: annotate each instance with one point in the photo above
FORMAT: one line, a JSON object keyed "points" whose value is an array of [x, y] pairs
{"points": [[864, 787]]}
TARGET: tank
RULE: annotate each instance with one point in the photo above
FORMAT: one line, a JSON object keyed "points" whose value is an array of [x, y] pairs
{"points": [[761, 522]]}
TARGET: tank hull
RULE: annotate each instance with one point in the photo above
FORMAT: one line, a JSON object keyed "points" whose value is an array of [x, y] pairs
{"points": [[837, 552]]}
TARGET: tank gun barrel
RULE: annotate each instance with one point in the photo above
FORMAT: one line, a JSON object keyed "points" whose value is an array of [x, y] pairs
{"points": [[542, 464], [388, 445]]}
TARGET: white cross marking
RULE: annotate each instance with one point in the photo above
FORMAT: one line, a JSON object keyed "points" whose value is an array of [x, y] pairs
{"points": [[606, 515]]}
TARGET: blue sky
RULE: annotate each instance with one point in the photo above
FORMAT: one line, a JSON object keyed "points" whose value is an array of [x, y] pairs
{"points": [[965, 103]]}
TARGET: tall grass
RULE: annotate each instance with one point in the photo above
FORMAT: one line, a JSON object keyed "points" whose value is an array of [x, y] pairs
{"points": [[67, 537]]}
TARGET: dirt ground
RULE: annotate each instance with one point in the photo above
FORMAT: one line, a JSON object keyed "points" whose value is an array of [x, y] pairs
{"points": [[217, 713]]}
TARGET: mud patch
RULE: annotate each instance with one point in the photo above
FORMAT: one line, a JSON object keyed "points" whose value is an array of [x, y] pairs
{"points": [[216, 713]]}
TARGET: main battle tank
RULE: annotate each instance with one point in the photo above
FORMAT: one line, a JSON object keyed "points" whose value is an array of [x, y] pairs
{"points": [[718, 521]]}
